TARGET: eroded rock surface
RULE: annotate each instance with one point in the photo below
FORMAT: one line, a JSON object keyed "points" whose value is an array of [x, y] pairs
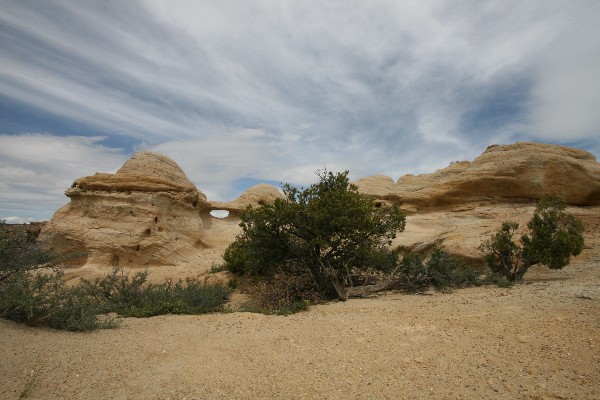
{"points": [[516, 173], [258, 195], [460, 206], [149, 214]]}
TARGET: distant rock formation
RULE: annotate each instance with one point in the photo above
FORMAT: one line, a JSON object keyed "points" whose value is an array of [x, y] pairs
{"points": [[519, 172], [258, 195]]}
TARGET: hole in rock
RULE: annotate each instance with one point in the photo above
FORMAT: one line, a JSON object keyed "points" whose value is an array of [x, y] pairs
{"points": [[115, 260], [147, 232], [220, 213], [155, 219]]}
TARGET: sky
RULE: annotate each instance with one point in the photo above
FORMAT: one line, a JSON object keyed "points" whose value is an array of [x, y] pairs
{"points": [[243, 92]]}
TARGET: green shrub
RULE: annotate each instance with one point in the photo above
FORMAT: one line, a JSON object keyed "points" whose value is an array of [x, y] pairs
{"points": [[133, 297], [44, 299], [441, 270], [412, 274], [448, 271], [214, 268], [494, 278], [328, 232], [285, 294], [19, 251], [553, 237]]}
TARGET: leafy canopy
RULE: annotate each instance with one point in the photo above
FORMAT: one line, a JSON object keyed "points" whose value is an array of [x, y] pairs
{"points": [[328, 231], [554, 236]]}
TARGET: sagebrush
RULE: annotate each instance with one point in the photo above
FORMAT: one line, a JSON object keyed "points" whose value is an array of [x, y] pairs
{"points": [[40, 296]]}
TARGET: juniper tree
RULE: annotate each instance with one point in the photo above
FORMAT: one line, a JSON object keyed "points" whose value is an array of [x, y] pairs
{"points": [[327, 231], [553, 237]]}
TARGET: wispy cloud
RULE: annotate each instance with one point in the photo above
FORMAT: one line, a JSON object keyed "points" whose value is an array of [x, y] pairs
{"points": [[36, 169], [274, 90]]}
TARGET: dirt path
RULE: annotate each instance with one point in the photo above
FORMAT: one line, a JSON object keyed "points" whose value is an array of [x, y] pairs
{"points": [[535, 341]]}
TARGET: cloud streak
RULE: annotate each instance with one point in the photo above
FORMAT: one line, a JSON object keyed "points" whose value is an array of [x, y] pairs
{"points": [[239, 91], [35, 170]]}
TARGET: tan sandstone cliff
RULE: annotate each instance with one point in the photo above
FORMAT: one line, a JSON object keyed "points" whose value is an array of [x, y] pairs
{"points": [[520, 172], [460, 206]]}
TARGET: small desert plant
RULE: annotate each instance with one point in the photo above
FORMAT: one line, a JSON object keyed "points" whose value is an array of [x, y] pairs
{"points": [[285, 294], [441, 270], [40, 296], [134, 297], [214, 268], [494, 278], [30, 384], [19, 251], [44, 299]]}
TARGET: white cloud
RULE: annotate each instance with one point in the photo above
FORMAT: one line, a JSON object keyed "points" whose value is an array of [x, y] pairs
{"points": [[275, 90], [35, 170], [18, 220], [567, 95]]}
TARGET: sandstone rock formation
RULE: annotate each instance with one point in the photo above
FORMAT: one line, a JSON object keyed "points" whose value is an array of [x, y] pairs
{"points": [[519, 172], [256, 196], [460, 206], [148, 214]]}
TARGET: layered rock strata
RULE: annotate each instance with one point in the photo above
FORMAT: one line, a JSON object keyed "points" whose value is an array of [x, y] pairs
{"points": [[516, 173], [149, 213]]}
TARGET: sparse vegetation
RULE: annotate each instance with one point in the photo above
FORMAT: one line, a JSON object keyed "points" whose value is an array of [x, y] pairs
{"points": [[134, 297], [30, 384], [215, 268], [315, 244], [441, 270], [41, 297], [19, 251], [553, 237], [44, 299], [285, 294]]}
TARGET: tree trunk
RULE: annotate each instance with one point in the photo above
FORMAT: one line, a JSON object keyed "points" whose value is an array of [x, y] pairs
{"points": [[340, 289], [520, 272], [362, 291]]}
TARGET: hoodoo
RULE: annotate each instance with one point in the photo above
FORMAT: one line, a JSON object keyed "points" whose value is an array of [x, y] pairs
{"points": [[147, 213]]}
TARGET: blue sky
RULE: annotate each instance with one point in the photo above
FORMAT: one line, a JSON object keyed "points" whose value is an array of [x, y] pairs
{"points": [[240, 92]]}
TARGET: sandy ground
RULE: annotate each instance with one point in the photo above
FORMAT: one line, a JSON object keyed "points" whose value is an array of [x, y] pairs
{"points": [[535, 341], [539, 340]]}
